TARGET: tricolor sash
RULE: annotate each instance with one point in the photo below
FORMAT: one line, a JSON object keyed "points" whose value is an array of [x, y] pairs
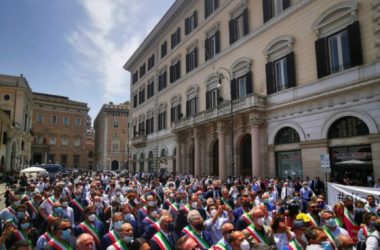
{"points": [[351, 226], [198, 238], [186, 208], [295, 245], [247, 218], [113, 236], [153, 223], [48, 236], [312, 220], [51, 200], [11, 210], [119, 245], [161, 240], [85, 226], [20, 235], [172, 206], [227, 204], [59, 245], [369, 209], [365, 231], [32, 207], [77, 204], [338, 222], [221, 246], [330, 236], [144, 210], [258, 236]]}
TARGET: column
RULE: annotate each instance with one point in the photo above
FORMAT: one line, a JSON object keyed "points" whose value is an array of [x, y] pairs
{"points": [[222, 152], [375, 147], [197, 155], [255, 140], [179, 158], [184, 168]]}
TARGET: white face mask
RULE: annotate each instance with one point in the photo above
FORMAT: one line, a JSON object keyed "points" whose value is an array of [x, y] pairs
{"points": [[244, 245], [194, 204], [261, 221], [213, 212]]}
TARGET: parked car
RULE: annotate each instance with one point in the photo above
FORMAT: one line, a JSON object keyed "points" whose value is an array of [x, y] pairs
{"points": [[54, 169]]}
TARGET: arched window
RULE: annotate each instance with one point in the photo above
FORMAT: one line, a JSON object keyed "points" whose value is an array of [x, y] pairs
{"points": [[241, 83], [142, 159], [286, 135], [347, 126]]}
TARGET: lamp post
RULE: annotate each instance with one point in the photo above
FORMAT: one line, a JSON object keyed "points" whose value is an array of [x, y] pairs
{"points": [[221, 77]]}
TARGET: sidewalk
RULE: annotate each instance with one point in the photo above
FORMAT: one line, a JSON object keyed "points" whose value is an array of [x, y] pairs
{"points": [[2, 191]]}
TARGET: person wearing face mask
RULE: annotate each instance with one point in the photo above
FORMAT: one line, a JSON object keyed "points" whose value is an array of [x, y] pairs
{"points": [[219, 214], [281, 233], [299, 241], [68, 212], [143, 212], [78, 204], [245, 207], [25, 231], [46, 207], [113, 235], [62, 239], [349, 217], [193, 204], [225, 242], [10, 211], [317, 239], [239, 241], [312, 215], [150, 225], [126, 238], [90, 225], [330, 227], [130, 218], [100, 206], [166, 238], [196, 230], [322, 203], [33, 208], [367, 227], [259, 235], [370, 207], [175, 205], [245, 220], [133, 202], [305, 194]]}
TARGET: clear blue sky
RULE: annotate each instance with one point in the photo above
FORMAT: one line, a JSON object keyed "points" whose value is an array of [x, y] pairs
{"points": [[75, 48]]}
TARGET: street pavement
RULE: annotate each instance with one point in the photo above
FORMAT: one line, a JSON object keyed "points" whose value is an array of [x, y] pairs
{"points": [[2, 191]]}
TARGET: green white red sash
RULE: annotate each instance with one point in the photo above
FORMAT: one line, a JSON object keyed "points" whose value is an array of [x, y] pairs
{"points": [[338, 222], [221, 246], [258, 236], [48, 236], [161, 240], [153, 223], [186, 208], [368, 209], [32, 207], [144, 210], [247, 218], [20, 235], [119, 245], [59, 245], [77, 204], [91, 230], [330, 236], [113, 236], [11, 210], [351, 226], [172, 206], [365, 231], [295, 245], [348, 217], [190, 232], [51, 200], [312, 219], [227, 204]]}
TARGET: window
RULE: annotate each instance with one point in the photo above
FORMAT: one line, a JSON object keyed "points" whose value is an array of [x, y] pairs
{"points": [[135, 100], [286, 135], [212, 98], [164, 49], [51, 158], [151, 62], [53, 119], [40, 118], [175, 71], [238, 26], [272, 8], [39, 139], [161, 120], [150, 89], [191, 106], [142, 128], [135, 77], [7, 97], [175, 113], [348, 126], [77, 141], [176, 38], [77, 122], [142, 70], [149, 125], [64, 140], [63, 159], [134, 130], [210, 7], [281, 74], [52, 140], [191, 23], [241, 86], [212, 45], [116, 124], [115, 146], [162, 81], [142, 96], [66, 121], [192, 59], [76, 160]]}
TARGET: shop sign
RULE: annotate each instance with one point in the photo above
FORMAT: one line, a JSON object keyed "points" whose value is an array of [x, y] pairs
{"points": [[325, 161]]}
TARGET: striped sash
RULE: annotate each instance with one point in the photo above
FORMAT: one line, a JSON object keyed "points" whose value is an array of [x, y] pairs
{"points": [[348, 217], [189, 232], [258, 236], [161, 240], [312, 220], [113, 236], [144, 210], [48, 236], [59, 245], [11, 210], [20, 235], [330, 236], [172, 206], [32, 207], [85, 226], [51, 200], [119, 245], [247, 218], [295, 245], [220, 246], [153, 223], [186, 208], [227, 204], [77, 204]]}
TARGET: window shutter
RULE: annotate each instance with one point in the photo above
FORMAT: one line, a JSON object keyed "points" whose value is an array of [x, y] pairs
{"points": [[178, 35], [233, 89], [164, 120], [207, 99], [285, 4], [207, 49], [355, 44], [245, 21], [322, 58], [147, 127], [290, 62], [196, 104], [270, 79], [172, 41], [232, 31], [164, 81], [172, 115], [187, 24], [217, 38], [171, 73], [249, 84], [267, 10], [151, 125], [196, 57], [195, 19], [188, 62], [217, 96], [178, 69], [216, 3], [206, 8], [187, 108]]}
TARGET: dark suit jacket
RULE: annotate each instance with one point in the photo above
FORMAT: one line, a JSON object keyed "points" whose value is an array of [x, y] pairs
{"points": [[181, 220], [147, 230], [205, 236], [99, 227], [106, 242]]}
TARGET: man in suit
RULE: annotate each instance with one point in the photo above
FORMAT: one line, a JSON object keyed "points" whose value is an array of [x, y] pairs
{"points": [[196, 230], [194, 204], [113, 235], [166, 238], [317, 186]]}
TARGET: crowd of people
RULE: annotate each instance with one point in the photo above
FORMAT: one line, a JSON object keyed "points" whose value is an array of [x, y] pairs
{"points": [[107, 211]]}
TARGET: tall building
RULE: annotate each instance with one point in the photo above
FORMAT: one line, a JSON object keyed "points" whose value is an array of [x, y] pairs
{"points": [[15, 123], [303, 77], [111, 137], [60, 131], [90, 144]]}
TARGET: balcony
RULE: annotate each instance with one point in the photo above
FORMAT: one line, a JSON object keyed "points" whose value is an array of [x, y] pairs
{"points": [[250, 102], [139, 141]]}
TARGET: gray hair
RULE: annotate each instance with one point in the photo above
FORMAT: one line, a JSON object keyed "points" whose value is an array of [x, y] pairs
{"points": [[193, 215]]}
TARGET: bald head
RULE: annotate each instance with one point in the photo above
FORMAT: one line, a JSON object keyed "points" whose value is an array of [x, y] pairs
{"points": [[85, 242]]}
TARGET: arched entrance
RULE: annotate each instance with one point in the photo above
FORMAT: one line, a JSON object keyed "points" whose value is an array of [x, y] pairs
{"points": [[2, 165], [150, 162], [215, 159], [191, 161], [134, 163], [142, 159], [246, 155], [114, 165], [12, 166]]}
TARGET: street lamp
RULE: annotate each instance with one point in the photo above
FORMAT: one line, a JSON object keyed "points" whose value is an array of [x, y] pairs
{"points": [[221, 77]]}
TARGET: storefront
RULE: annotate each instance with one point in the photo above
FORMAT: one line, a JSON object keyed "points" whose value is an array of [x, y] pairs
{"points": [[289, 164]]}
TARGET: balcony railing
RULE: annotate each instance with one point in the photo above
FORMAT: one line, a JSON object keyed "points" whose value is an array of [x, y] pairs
{"points": [[139, 141]]}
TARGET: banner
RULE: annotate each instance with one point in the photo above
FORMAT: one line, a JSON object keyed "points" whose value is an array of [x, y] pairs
{"points": [[337, 192]]}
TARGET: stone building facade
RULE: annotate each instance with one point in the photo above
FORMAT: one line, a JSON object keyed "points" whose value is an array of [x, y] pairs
{"points": [[303, 77]]}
